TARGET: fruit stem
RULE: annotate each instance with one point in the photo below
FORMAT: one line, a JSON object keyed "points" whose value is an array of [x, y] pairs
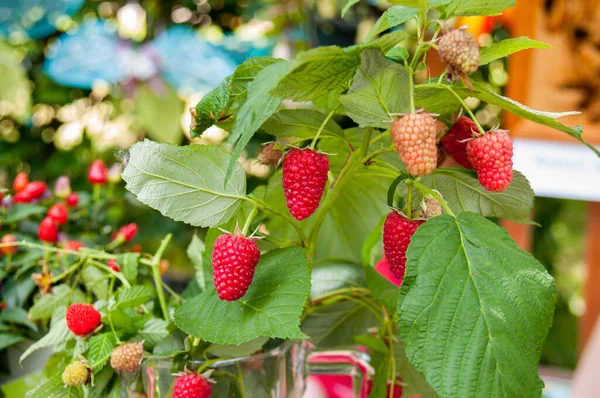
{"points": [[97, 188], [428, 191], [364, 147], [287, 217], [69, 271], [246, 227], [157, 278], [411, 87], [321, 127], [408, 211]]}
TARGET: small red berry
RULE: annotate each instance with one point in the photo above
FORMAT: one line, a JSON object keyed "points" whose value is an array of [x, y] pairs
{"points": [[82, 318], [20, 182], [384, 270], [455, 141], [112, 264], [74, 245], [136, 248], [48, 231], [234, 260], [6, 239], [414, 137], [73, 199], [36, 189], [397, 231], [491, 155], [304, 179], [22, 197], [97, 173], [191, 386], [59, 213], [128, 231]]}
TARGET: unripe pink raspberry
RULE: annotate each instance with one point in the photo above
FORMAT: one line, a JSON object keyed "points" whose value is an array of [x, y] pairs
{"points": [[414, 138], [460, 50]]}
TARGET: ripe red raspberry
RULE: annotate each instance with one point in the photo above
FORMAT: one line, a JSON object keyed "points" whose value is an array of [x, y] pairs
{"points": [[191, 386], [455, 141], [414, 138], [128, 231], [82, 318], [234, 260], [460, 50], [304, 179], [7, 239], [383, 268], [20, 182], [98, 173], [74, 245], [22, 197], [491, 155], [59, 213], [73, 199], [269, 155], [127, 358], [112, 264], [48, 231], [36, 189], [397, 231]]}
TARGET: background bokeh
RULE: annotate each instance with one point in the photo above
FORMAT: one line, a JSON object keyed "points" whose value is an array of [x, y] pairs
{"points": [[82, 80]]}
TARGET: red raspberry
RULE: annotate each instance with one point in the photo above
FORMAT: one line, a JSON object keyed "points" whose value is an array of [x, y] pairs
{"points": [[112, 264], [234, 260], [6, 239], [128, 231], [97, 173], [82, 318], [20, 182], [304, 179], [22, 197], [397, 231], [491, 155], [455, 141], [48, 231], [73, 199], [59, 213], [383, 267], [414, 138], [36, 189], [191, 386], [74, 245]]}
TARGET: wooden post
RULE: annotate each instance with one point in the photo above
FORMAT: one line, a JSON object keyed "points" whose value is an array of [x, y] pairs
{"points": [[521, 233]]}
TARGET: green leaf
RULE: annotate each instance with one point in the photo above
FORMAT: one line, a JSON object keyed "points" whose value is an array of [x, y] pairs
{"points": [[398, 54], [372, 342], [195, 253], [271, 307], [301, 123], [384, 43], [245, 74], [154, 331], [330, 275], [474, 309], [236, 351], [257, 108], [349, 4], [384, 291], [61, 296], [21, 211], [95, 280], [503, 48], [207, 111], [15, 88], [314, 73], [391, 18], [134, 296], [463, 192], [380, 88], [129, 265], [48, 388], [160, 113], [57, 335], [9, 339], [411, 3], [18, 316], [453, 8], [100, 347], [101, 382], [185, 183]]}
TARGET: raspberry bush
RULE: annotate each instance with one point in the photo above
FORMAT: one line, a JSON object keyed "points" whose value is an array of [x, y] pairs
{"points": [[300, 256]]}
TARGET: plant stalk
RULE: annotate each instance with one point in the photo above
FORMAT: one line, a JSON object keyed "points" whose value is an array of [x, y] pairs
{"points": [[158, 279]]}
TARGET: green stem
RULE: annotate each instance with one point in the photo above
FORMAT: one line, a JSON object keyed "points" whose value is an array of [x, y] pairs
{"points": [[265, 206], [173, 293], [364, 147], [97, 188], [117, 275], [157, 278], [112, 328], [116, 242], [411, 88], [428, 191], [69, 271], [246, 227], [314, 141], [81, 252], [377, 153], [381, 136], [409, 203]]}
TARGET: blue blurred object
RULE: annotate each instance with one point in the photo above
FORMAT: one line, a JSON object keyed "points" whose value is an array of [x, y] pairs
{"points": [[240, 51], [35, 18], [189, 62], [81, 57]]}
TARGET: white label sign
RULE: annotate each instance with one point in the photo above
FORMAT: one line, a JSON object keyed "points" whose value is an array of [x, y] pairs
{"points": [[558, 169]]}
